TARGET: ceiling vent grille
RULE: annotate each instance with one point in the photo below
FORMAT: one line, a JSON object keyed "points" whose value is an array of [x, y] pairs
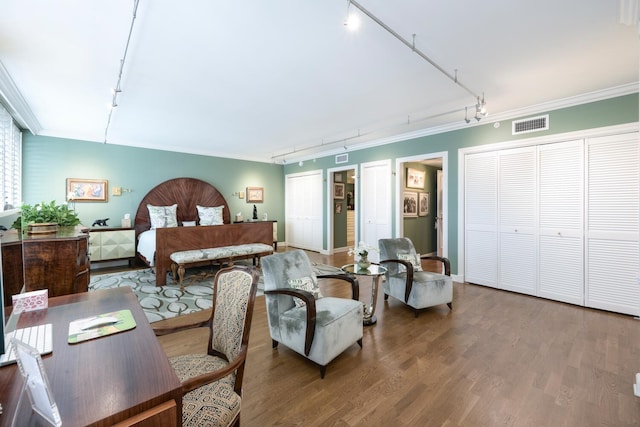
{"points": [[532, 124], [342, 158]]}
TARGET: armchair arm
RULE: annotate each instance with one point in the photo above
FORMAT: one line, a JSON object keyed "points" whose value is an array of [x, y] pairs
{"points": [[355, 286], [445, 261], [166, 330], [310, 302], [200, 380], [409, 279]]}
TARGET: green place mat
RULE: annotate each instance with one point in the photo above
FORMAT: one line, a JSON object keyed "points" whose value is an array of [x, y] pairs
{"points": [[78, 334]]}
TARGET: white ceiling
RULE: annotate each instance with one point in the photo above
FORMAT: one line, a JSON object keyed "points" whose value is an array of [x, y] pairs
{"points": [[259, 79]]}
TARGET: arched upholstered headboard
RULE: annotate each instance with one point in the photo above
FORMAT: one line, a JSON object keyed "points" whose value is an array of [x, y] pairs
{"points": [[187, 193]]}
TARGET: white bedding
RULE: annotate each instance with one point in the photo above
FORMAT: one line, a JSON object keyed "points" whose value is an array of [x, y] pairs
{"points": [[147, 245]]}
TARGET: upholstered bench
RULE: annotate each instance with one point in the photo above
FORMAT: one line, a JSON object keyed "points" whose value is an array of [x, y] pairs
{"points": [[222, 254]]}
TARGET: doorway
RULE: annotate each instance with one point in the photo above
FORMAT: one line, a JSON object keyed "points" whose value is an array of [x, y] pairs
{"points": [[342, 208], [421, 208]]}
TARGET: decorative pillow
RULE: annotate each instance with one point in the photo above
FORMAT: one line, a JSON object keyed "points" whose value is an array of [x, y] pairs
{"points": [[210, 216], [414, 259], [163, 216], [188, 223], [306, 284]]}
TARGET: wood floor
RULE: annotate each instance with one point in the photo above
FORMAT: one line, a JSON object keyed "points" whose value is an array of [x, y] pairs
{"points": [[497, 359]]}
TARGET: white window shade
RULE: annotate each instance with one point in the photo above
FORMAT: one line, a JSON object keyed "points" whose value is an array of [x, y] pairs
{"points": [[10, 161]]}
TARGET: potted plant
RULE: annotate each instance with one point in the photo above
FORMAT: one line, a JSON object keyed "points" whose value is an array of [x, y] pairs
{"points": [[45, 217]]}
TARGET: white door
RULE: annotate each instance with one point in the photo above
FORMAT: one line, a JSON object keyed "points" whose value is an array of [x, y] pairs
{"points": [[517, 201], [375, 199], [612, 223], [481, 218], [303, 210], [561, 221]]}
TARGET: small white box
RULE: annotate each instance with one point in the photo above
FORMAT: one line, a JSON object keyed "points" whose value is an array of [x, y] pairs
{"points": [[126, 223], [30, 301]]}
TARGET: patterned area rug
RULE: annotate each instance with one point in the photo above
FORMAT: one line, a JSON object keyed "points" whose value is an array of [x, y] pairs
{"points": [[165, 302]]}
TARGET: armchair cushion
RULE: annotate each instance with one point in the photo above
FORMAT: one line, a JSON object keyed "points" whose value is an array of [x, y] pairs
{"points": [[335, 318], [414, 259], [215, 403], [306, 284], [212, 404]]}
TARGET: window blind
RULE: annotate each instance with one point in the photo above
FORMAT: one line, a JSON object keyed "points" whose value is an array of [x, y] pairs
{"points": [[11, 161]]}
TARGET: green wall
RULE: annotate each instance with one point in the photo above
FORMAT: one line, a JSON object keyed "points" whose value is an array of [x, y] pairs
{"points": [[608, 112], [48, 162]]}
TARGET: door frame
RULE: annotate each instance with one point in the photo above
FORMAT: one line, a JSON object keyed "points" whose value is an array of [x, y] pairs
{"points": [[445, 194], [330, 250]]}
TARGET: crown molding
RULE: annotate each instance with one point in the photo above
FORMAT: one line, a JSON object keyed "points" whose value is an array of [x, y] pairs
{"points": [[573, 101], [18, 107]]}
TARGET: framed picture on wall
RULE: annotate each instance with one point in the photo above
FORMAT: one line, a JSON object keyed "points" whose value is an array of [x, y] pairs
{"points": [[338, 191], [337, 177], [423, 204], [410, 204], [87, 190], [415, 178], [338, 208], [255, 194]]}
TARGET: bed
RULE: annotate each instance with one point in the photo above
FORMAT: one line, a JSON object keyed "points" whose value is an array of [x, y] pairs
{"points": [[154, 247]]}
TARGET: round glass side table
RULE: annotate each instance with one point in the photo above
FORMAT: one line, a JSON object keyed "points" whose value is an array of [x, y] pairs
{"points": [[374, 271]]}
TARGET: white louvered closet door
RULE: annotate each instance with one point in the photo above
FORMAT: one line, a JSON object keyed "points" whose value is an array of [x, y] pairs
{"points": [[517, 201], [561, 219], [481, 219], [613, 187], [303, 210]]}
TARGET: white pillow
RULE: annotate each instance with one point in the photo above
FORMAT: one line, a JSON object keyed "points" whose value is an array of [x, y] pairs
{"points": [[163, 216], [306, 284], [210, 216], [414, 259], [188, 223]]}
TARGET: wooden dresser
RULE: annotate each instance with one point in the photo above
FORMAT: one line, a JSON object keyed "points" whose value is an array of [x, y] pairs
{"points": [[58, 262]]}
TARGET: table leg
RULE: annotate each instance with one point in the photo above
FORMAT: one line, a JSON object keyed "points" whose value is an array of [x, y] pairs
{"points": [[369, 316]]}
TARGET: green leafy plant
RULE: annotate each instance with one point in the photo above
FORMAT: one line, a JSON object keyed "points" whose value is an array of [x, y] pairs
{"points": [[46, 212]]}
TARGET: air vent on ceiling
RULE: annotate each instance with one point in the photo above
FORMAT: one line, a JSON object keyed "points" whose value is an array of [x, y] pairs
{"points": [[532, 124], [342, 158]]}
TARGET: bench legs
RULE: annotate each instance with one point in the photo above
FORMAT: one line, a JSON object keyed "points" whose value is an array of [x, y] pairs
{"points": [[179, 269]]}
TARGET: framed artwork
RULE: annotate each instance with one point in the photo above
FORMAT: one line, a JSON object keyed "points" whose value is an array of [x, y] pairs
{"points": [[255, 194], [87, 190], [338, 208], [338, 191], [337, 177], [423, 204], [410, 204], [415, 178]]}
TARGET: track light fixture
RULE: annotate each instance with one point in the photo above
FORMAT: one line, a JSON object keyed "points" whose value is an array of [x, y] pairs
{"points": [[466, 118], [480, 107], [117, 90], [352, 21]]}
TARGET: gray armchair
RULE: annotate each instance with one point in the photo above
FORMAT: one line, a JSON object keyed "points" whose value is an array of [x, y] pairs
{"points": [[319, 329], [405, 279]]}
